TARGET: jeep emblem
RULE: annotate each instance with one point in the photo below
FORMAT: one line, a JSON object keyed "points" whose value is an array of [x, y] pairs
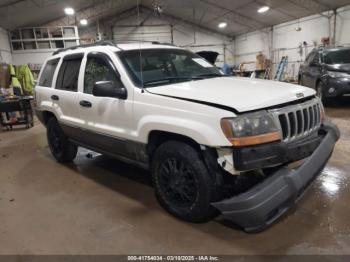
{"points": [[299, 95]]}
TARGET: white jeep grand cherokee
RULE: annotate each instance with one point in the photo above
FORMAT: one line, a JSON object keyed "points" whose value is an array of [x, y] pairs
{"points": [[213, 143]]}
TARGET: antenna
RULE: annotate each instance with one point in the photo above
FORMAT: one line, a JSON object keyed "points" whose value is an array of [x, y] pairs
{"points": [[140, 51]]}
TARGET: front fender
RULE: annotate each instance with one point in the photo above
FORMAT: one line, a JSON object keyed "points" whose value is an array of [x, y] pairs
{"points": [[209, 134]]}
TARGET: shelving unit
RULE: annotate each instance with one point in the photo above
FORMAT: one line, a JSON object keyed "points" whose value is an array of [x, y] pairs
{"points": [[44, 38]]}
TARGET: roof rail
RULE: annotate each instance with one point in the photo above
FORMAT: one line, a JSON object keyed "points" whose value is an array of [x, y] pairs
{"points": [[99, 43], [146, 41]]}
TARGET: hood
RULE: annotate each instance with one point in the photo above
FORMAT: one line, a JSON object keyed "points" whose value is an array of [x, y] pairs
{"points": [[210, 56], [240, 94], [339, 67]]}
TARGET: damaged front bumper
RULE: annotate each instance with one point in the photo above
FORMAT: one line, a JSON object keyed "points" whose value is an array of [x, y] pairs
{"points": [[263, 204]]}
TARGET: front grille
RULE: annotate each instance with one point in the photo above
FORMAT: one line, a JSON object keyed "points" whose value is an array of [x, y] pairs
{"points": [[299, 120]]}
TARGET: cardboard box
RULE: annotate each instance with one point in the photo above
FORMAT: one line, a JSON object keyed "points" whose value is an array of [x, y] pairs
{"points": [[260, 61]]}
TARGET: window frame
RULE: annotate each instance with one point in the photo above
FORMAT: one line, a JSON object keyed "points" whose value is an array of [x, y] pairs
{"points": [[106, 58], [58, 59], [59, 82]]}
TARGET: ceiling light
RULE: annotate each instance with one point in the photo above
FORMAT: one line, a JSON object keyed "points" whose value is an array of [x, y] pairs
{"points": [[263, 9], [222, 25], [83, 22], [69, 11]]}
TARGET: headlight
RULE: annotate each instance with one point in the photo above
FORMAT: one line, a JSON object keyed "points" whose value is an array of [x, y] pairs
{"points": [[335, 74], [251, 129]]}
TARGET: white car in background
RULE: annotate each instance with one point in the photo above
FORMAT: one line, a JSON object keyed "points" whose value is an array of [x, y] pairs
{"points": [[214, 144]]}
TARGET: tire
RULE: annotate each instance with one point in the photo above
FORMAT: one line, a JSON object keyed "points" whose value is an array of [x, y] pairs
{"points": [[182, 183], [63, 150]]}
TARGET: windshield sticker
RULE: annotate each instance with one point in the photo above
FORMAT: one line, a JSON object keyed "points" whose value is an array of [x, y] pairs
{"points": [[202, 62]]}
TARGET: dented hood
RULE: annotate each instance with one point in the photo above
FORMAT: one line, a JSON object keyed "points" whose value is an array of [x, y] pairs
{"points": [[240, 94]]}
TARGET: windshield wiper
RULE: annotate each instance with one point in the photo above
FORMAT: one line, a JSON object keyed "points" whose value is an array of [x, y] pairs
{"points": [[210, 75], [169, 80], [179, 78]]}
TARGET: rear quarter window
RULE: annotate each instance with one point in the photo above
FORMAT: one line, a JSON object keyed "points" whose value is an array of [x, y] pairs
{"points": [[48, 72]]}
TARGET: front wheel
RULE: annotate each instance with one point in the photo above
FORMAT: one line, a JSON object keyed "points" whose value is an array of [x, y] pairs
{"points": [[63, 150], [182, 183]]}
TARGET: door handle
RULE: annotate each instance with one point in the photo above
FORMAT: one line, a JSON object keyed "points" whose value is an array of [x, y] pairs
{"points": [[85, 103], [54, 97]]}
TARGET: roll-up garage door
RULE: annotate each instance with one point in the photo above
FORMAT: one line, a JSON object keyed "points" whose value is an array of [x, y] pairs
{"points": [[159, 33]]}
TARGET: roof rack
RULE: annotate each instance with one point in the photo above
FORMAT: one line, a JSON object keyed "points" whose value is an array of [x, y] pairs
{"points": [[145, 41], [99, 43]]}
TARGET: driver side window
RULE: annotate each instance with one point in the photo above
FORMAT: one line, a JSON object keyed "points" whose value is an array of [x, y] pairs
{"points": [[97, 69]]}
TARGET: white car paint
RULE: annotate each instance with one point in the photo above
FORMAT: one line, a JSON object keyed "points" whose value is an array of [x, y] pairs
{"points": [[146, 111], [242, 94]]}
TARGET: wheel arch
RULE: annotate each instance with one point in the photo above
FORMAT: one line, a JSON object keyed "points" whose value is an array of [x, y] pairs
{"points": [[46, 115], [158, 137]]}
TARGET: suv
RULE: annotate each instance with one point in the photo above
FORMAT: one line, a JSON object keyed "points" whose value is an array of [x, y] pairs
{"points": [[213, 143], [328, 72]]}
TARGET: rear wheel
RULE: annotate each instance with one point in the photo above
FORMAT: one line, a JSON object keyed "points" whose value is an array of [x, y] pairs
{"points": [[63, 150], [182, 183]]}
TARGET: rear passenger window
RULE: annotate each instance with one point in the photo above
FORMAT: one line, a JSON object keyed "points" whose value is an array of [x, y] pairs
{"points": [[48, 72], [69, 72]]}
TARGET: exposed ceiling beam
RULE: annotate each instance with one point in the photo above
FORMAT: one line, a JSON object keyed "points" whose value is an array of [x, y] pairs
{"points": [[90, 12], [242, 18], [166, 16], [279, 9], [11, 3], [311, 5]]}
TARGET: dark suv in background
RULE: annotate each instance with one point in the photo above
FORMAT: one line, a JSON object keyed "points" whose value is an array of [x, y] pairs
{"points": [[327, 71]]}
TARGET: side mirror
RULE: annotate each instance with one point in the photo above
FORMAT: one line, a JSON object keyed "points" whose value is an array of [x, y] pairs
{"points": [[108, 89]]}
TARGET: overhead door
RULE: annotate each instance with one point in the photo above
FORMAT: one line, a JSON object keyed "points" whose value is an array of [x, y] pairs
{"points": [[159, 33]]}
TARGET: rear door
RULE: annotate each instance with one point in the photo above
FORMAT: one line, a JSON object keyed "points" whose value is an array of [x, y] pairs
{"points": [[67, 96], [44, 91]]}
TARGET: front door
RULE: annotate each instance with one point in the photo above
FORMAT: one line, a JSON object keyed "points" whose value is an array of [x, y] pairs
{"points": [[107, 120]]}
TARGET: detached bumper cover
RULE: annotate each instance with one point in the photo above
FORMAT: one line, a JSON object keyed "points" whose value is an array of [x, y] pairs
{"points": [[259, 207]]}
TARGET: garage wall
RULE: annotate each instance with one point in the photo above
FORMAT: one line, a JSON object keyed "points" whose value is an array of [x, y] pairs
{"points": [[283, 39], [343, 24], [5, 49], [166, 29], [27, 57]]}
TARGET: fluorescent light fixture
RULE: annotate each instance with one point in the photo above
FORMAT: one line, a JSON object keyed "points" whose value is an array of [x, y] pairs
{"points": [[263, 9], [69, 11], [222, 25], [83, 22]]}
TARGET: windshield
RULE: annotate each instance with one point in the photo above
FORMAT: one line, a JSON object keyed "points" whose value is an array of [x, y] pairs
{"points": [[165, 66], [337, 57]]}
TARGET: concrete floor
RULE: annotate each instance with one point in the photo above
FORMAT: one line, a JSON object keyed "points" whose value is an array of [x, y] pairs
{"points": [[102, 206]]}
